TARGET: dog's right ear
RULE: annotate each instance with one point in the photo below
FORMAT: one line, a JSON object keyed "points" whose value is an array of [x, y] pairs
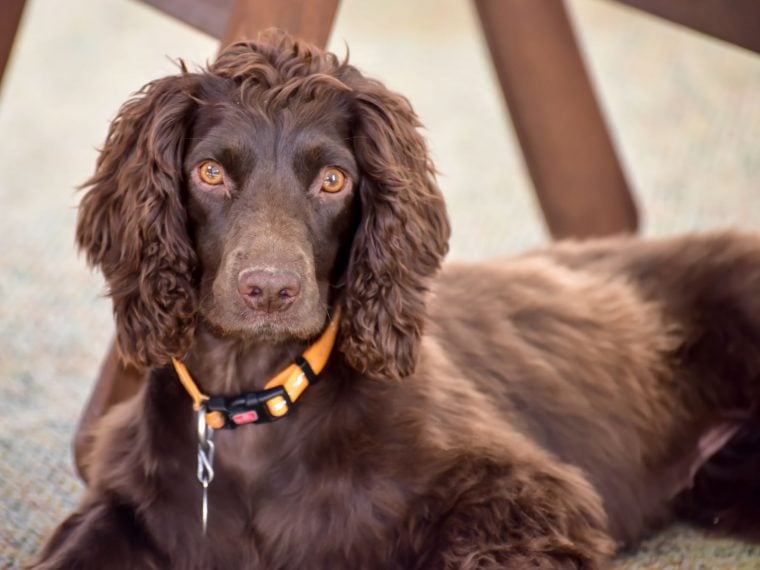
{"points": [[132, 222], [401, 239]]}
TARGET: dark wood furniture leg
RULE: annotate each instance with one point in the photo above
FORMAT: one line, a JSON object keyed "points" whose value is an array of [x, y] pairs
{"points": [[12, 10], [117, 382], [736, 22], [570, 156], [308, 19]]}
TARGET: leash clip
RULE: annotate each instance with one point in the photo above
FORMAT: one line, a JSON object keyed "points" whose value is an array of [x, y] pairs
{"points": [[205, 461]]}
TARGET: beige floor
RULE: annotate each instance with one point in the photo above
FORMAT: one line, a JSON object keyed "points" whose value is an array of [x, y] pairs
{"points": [[685, 112]]}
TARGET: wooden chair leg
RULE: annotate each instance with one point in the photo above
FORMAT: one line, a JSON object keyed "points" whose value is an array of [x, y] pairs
{"points": [[12, 10], [570, 156], [308, 19], [737, 22], [117, 382]]}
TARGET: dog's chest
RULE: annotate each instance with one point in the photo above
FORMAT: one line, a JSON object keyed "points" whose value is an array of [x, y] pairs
{"points": [[276, 502]]}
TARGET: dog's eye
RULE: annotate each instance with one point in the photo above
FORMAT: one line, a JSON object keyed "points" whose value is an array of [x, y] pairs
{"points": [[211, 172], [333, 180]]}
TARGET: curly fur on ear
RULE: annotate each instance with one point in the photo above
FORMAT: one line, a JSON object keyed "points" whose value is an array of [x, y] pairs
{"points": [[133, 225], [401, 240]]}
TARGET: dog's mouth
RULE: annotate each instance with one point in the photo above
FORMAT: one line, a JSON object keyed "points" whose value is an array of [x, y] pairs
{"points": [[279, 327], [305, 320]]}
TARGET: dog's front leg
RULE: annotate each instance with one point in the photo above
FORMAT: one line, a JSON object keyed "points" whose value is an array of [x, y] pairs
{"points": [[100, 536], [486, 514]]}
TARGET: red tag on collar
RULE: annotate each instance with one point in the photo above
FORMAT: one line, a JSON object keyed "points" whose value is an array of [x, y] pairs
{"points": [[248, 417]]}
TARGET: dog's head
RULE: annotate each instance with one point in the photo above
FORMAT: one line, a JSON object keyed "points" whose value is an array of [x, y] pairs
{"points": [[258, 194]]}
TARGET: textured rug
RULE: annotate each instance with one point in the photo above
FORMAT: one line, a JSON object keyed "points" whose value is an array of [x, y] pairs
{"points": [[685, 112]]}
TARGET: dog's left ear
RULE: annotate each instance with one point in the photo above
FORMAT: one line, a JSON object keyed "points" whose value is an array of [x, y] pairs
{"points": [[132, 222], [401, 239]]}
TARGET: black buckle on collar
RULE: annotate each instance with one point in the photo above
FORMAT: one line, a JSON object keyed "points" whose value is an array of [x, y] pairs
{"points": [[250, 408]]}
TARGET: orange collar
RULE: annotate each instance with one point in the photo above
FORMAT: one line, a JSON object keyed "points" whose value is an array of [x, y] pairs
{"points": [[278, 395]]}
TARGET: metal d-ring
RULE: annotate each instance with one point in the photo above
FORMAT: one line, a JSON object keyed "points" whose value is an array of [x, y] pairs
{"points": [[205, 461]]}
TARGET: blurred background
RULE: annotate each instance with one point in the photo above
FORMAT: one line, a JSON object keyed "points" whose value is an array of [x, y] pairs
{"points": [[683, 110]]}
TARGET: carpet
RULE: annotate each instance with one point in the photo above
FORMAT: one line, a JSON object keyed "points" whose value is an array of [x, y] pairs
{"points": [[685, 113]]}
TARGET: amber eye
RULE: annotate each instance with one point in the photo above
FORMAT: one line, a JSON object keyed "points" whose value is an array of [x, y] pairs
{"points": [[333, 180], [211, 172]]}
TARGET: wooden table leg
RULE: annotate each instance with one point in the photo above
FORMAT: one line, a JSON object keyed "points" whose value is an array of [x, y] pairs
{"points": [[311, 20], [116, 383], [570, 156], [736, 22], [11, 16]]}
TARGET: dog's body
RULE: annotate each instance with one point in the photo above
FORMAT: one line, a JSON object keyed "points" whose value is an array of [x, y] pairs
{"points": [[557, 405]]}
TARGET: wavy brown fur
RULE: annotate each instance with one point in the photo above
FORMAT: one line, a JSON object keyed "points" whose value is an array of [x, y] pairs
{"points": [[537, 412], [132, 223]]}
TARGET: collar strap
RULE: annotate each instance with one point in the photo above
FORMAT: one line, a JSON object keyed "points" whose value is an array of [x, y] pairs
{"points": [[279, 394]]}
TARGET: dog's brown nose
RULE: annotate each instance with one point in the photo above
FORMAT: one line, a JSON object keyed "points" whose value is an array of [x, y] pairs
{"points": [[269, 291]]}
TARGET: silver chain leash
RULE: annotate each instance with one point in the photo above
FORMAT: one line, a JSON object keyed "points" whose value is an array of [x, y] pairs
{"points": [[205, 461]]}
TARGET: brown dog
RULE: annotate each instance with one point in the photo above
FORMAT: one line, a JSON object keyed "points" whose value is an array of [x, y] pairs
{"points": [[529, 413]]}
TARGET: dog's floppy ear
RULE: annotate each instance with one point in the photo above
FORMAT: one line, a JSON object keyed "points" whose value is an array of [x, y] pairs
{"points": [[401, 239], [132, 223]]}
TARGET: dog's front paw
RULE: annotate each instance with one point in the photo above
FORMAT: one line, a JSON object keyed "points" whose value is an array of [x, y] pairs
{"points": [[485, 515], [544, 555], [508, 559]]}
